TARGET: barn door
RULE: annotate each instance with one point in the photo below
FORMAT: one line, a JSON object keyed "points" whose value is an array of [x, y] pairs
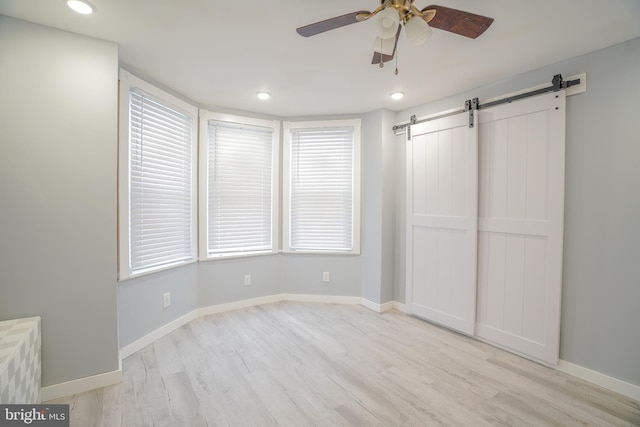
{"points": [[442, 221], [521, 210]]}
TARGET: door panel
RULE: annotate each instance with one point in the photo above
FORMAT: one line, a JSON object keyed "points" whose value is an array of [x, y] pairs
{"points": [[521, 200], [442, 222]]}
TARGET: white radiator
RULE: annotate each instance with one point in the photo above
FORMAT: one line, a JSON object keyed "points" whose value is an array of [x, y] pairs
{"points": [[20, 361]]}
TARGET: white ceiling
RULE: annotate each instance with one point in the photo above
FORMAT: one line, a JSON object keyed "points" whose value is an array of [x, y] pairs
{"points": [[220, 53]]}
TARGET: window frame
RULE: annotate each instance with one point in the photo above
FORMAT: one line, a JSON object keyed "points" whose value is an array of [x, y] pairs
{"points": [[126, 83], [203, 177], [357, 182]]}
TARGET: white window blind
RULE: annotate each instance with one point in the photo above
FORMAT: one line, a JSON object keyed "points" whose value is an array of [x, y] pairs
{"points": [[323, 189], [240, 195], [161, 144]]}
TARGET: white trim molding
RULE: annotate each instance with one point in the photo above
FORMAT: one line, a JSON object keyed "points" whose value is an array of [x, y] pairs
{"points": [[236, 305], [597, 378], [270, 299], [326, 299], [204, 142], [286, 176], [81, 385], [130, 84], [400, 306], [151, 337], [378, 308]]}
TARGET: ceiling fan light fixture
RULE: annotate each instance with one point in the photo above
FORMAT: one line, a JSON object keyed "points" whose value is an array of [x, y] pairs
{"points": [[418, 31], [82, 7], [387, 23], [397, 96], [263, 95], [384, 46]]}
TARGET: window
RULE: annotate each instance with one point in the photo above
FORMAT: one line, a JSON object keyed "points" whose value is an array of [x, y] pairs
{"points": [[322, 186], [239, 164], [157, 198]]}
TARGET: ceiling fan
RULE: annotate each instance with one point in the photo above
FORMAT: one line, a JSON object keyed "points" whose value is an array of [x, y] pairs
{"points": [[394, 14]]}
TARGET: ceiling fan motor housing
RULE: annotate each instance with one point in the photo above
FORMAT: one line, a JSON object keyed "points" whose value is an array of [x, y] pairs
{"points": [[402, 6]]}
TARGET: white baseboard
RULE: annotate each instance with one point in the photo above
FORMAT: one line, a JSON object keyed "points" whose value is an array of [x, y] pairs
{"points": [[610, 383], [401, 307], [140, 343], [230, 306], [378, 308], [338, 299], [325, 299], [81, 385], [389, 305]]}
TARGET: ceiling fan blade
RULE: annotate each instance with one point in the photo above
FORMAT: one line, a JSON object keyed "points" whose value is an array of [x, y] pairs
{"points": [[381, 57], [330, 24], [458, 21]]}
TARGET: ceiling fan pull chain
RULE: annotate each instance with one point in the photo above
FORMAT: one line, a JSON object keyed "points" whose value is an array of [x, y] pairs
{"points": [[381, 61]]}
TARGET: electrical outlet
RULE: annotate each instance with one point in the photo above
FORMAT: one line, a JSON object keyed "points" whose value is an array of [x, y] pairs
{"points": [[166, 300], [247, 279], [325, 277]]}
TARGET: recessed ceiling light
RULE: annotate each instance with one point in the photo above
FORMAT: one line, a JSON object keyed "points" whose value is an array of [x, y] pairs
{"points": [[264, 95], [397, 95], [82, 7]]}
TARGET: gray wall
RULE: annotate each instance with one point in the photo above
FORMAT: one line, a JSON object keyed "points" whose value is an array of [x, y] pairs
{"points": [[58, 133], [140, 301], [387, 226], [302, 274], [601, 280], [222, 281], [371, 239], [602, 235], [378, 213]]}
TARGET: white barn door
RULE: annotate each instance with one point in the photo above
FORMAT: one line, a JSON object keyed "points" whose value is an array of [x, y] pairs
{"points": [[521, 213], [442, 198], [485, 211]]}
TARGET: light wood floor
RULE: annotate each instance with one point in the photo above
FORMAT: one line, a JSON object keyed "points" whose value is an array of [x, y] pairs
{"points": [[306, 364]]}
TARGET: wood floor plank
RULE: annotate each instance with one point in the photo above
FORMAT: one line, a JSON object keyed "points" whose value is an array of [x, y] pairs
{"points": [[312, 364]]}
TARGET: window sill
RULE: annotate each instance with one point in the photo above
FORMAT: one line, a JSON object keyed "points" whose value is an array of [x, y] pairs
{"points": [[317, 252], [156, 270], [235, 255]]}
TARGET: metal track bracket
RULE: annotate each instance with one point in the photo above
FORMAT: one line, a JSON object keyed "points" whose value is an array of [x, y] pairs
{"points": [[412, 121], [471, 105]]}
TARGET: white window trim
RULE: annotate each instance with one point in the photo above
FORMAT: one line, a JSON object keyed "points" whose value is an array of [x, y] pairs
{"points": [[127, 81], [286, 161], [203, 191]]}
